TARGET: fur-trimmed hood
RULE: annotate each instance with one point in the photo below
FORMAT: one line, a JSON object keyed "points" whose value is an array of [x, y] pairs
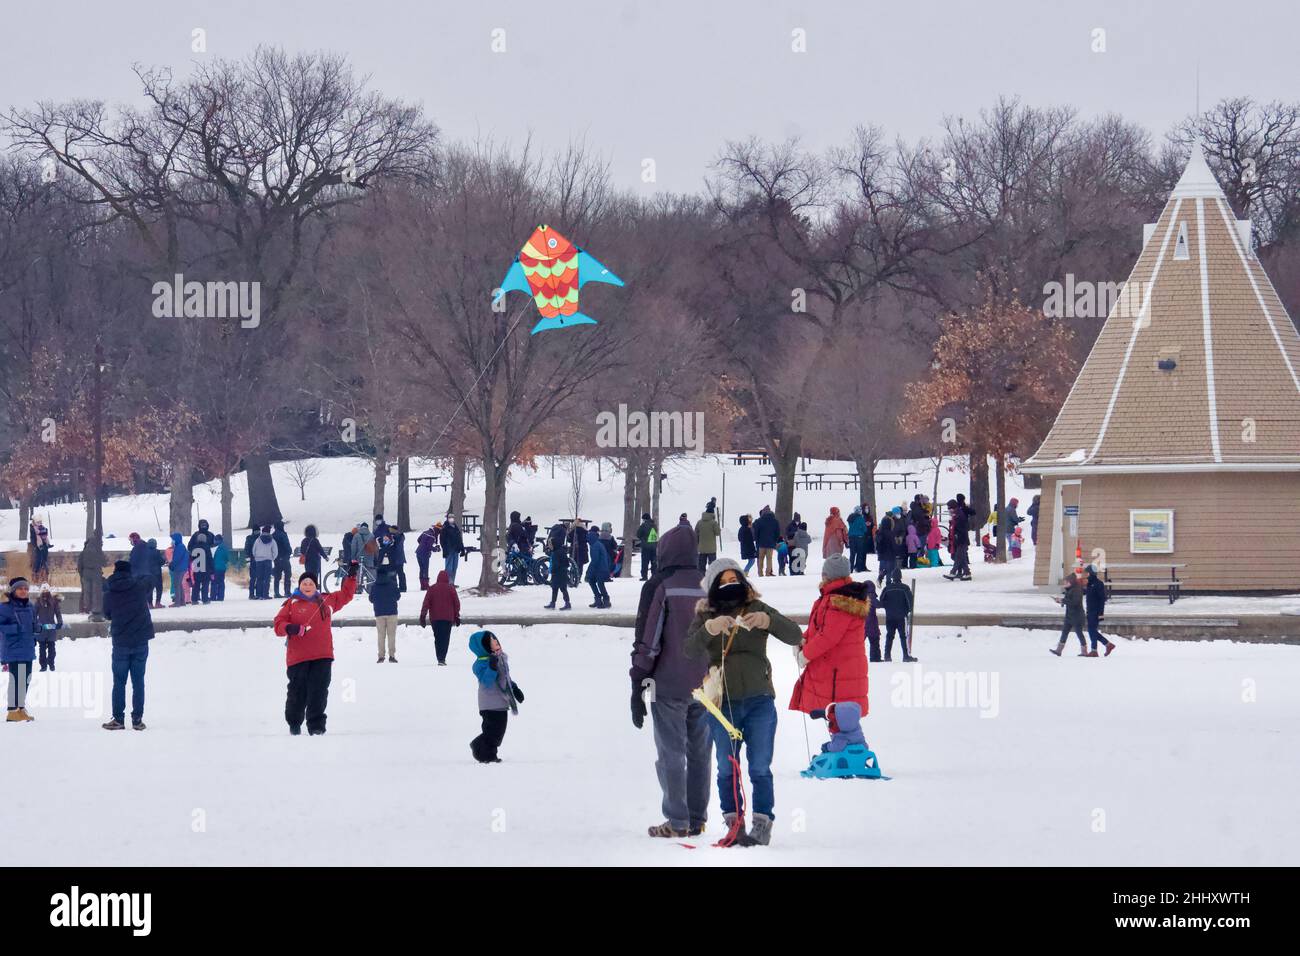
{"points": [[847, 595]]}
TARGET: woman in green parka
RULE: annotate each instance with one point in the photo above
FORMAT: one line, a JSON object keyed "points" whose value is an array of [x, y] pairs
{"points": [[731, 617]]}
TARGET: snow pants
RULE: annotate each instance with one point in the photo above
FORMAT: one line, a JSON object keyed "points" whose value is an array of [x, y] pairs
{"points": [[895, 625], [219, 585], [484, 747], [441, 639], [682, 742], [309, 689], [755, 718], [648, 562]]}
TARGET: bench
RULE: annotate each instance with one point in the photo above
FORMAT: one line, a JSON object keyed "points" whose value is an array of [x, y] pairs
{"points": [[297, 551], [1144, 579], [749, 454], [428, 482]]}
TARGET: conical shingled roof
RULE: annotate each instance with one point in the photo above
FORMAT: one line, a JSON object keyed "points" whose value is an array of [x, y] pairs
{"points": [[1198, 363]]}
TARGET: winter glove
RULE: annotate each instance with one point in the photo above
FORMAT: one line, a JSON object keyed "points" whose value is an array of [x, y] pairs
{"points": [[638, 708], [719, 625], [818, 714], [352, 569], [292, 630], [756, 619], [519, 694]]}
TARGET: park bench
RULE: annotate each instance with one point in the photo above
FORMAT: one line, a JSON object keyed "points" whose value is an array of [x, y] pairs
{"points": [[1143, 578], [327, 549], [743, 455]]}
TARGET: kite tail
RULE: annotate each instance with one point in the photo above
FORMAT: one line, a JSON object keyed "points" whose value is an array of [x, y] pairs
{"points": [[563, 322]]}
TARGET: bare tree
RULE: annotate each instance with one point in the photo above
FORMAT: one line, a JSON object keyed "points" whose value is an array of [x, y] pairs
{"points": [[301, 471]]}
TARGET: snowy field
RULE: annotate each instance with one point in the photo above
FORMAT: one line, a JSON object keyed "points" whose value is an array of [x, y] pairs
{"points": [[1166, 753]]}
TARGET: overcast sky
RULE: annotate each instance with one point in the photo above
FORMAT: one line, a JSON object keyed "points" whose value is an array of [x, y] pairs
{"points": [[672, 80]]}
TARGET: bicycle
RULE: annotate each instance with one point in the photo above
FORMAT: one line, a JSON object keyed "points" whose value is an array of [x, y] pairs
{"points": [[520, 568], [334, 579]]}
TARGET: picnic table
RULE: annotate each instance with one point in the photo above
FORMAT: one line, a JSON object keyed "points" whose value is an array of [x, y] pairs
{"points": [[470, 522], [820, 480], [1144, 581], [429, 482]]}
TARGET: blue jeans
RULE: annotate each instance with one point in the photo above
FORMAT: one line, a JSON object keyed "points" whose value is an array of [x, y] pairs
{"points": [[755, 717], [129, 661], [450, 561], [219, 585], [261, 579], [749, 564], [1094, 630]]}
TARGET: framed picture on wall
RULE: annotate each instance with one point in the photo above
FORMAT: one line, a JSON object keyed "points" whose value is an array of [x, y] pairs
{"points": [[1151, 530]]}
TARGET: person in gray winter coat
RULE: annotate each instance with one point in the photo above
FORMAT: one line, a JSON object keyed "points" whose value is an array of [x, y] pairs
{"points": [[1072, 600], [358, 546], [498, 695], [660, 665]]}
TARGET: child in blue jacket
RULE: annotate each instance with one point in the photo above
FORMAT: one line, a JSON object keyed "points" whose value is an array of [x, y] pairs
{"points": [[498, 695], [18, 646]]}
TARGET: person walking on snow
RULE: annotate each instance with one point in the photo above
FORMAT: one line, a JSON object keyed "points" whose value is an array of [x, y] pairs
{"points": [[130, 625], [767, 535], [730, 630], [598, 570], [707, 533], [281, 568], [18, 646], [559, 552], [681, 724], [310, 551], [441, 608], [1095, 606], [498, 695], [896, 599], [453, 545], [304, 620], [836, 535], [425, 545], [265, 551], [49, 621], [1072, 600], [384, 594], [745, 537], [648, 537], [833, 657]]}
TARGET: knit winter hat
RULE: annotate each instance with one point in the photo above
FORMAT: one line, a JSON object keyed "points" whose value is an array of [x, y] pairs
{"points": [[17, 583], [124, 566], [715, 569], [835, 567], [307, 574]]}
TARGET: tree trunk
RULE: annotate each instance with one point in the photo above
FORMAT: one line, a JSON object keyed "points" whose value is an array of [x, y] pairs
{"points": [[24, 515], [631, 470], [934, 499], [263, 507], [867, 481], [784, 455], [657, 483], [381, 482], [494, 499], [979, 489], [1001, 504], [227, 512], [457, 506], [404, 494], [646, 472], [181, 512]]}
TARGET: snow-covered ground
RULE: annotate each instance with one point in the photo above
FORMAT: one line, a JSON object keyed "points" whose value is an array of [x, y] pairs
{"points": [[1166, 753]]}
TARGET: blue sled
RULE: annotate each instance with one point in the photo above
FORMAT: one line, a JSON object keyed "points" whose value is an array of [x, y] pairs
{"points": [[854, 760]]}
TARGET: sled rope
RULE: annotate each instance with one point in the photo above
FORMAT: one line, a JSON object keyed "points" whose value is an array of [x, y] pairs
{"points": [[737, 785]]}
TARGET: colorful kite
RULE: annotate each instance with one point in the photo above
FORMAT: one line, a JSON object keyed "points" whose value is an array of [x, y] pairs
{"points": [[552, 270]]}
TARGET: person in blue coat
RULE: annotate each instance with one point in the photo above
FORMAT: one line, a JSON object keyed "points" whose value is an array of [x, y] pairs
{"points": [[141, 565], [598, 570], [179, 564], [220, 562], [130, 625], [18, 645], [384, 595]]}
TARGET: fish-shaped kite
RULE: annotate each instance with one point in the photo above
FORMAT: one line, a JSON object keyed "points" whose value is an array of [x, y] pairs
{"points": [[553, 270]]}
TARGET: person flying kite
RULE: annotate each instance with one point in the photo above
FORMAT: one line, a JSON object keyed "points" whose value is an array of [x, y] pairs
{"points": [[553, 270]]}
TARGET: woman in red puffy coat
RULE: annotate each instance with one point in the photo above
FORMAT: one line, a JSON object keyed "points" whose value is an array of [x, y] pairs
{"points": [[834, 654], [304, 621]]}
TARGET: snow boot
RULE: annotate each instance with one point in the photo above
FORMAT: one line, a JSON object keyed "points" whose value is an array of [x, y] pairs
{"points": [[549, 607], [1092, 653], [1057, 649], [909, 659], [735, 835], [667, 831], [381, 659], [114, 724], [294, 731], [392, 660], [138, 725], [19, 715], [1109, 647], [761, 831], [696, 829], [442, 663]]}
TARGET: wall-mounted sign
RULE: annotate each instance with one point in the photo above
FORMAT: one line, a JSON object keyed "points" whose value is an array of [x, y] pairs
{"points": [[1071, 510], [1151, 530]]}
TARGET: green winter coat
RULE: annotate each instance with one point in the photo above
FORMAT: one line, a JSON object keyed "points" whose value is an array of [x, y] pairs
{"points": [[748, 671], [707, 533]]}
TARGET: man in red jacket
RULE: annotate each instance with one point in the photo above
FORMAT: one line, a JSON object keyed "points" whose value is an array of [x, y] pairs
{"points": [[442, 606], [304, 619]]}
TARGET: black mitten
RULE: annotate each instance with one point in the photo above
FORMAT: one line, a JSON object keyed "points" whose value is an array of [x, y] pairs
{"points": [[519, 694], [293, 630]]}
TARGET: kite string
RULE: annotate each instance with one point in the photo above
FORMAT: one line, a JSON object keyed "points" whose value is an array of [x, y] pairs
{"points": [[465, 397]]}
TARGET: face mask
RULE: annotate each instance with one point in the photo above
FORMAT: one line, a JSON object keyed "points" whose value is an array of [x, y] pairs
{"points": [[732, 594]]}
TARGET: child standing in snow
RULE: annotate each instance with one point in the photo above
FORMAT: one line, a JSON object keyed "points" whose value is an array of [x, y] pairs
{"points": [[49, 621], [897, 601], [498, 695], [933, 541], [1072, 600], [383, 595], [913, 545], [871, 627]]}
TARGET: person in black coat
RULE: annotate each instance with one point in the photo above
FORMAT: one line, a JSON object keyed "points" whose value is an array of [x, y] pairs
{"points": [[311, 551], [579, 551], [200, 547], [885, 548], [767, 535], [558, 549], [130, 625], [1095, 605], [248, 558], [282, 569], [452, 543], [896, 599], [748, 549]]}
